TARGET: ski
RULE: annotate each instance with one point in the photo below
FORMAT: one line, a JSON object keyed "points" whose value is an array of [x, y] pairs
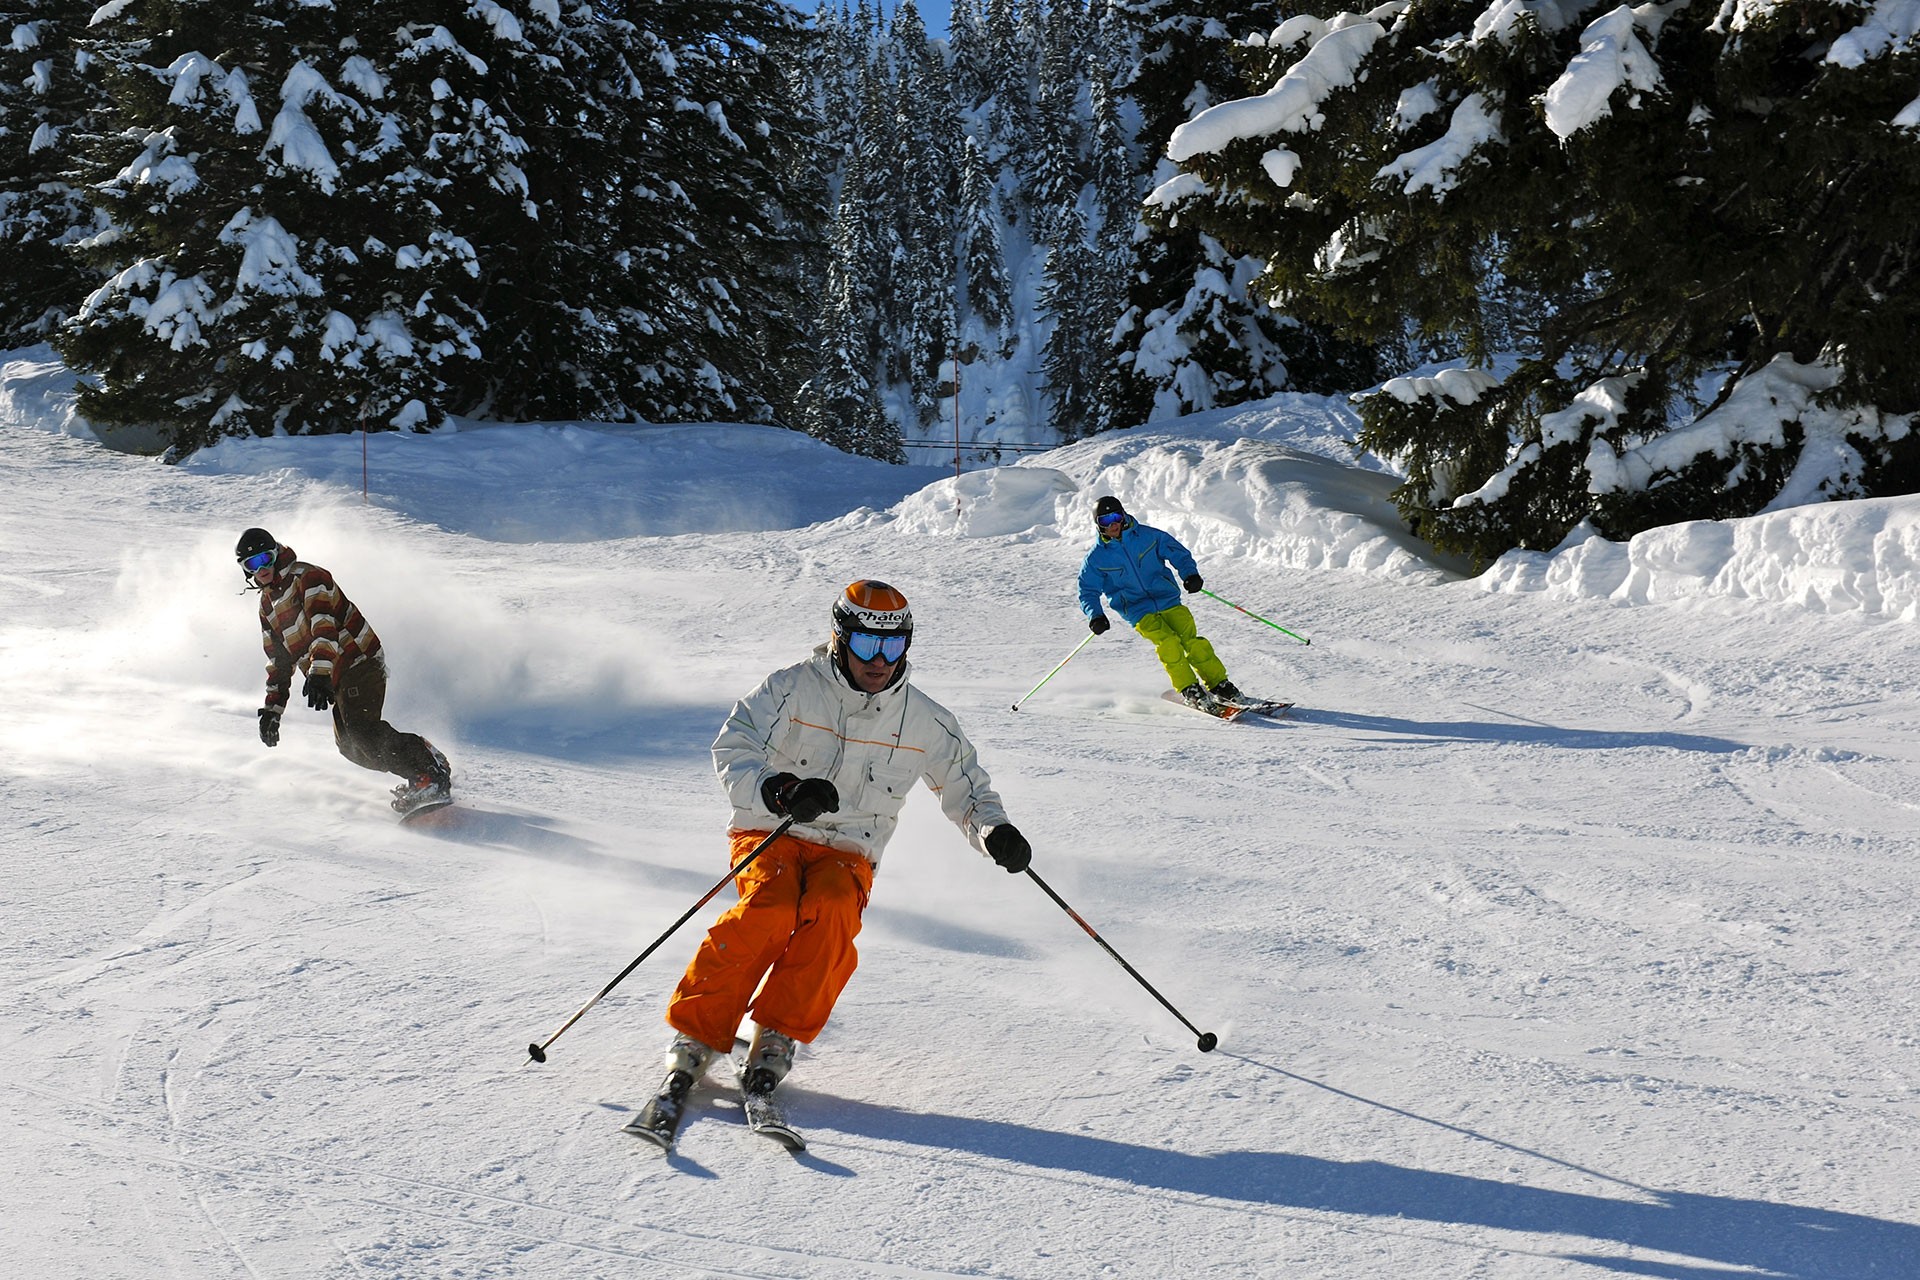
{"points": [[765, 1116], [1232, 710], [659, 1121]]}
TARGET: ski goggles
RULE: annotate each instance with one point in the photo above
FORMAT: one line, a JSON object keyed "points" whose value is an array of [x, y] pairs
{"points": [[866, 646], [1113, 520], [255, 563]]}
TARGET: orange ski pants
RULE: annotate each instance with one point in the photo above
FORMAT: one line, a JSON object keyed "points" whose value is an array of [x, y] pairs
{"points": [[794, 926]]}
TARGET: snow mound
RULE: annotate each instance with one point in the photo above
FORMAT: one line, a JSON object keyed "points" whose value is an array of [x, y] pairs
{"points": [[36, 390], [1859, 557], [1238, 498], [1000, 502]]}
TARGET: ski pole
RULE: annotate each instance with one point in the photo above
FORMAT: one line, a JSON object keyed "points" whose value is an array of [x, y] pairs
{"points": [[1207, 1039], [1056, 671], [1256, 617], [538, 1052]]}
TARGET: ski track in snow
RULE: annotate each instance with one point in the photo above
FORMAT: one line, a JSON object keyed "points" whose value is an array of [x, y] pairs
{"points": [[1546, 937]]}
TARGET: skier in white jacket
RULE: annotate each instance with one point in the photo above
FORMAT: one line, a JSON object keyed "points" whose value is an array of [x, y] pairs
{"points": [[835, 743]]}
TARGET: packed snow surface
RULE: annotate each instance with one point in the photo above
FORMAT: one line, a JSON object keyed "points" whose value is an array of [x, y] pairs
{"points": [[1566, 928]]}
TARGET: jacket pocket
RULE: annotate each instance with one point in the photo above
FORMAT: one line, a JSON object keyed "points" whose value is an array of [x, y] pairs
{"points": [[884, 787]]}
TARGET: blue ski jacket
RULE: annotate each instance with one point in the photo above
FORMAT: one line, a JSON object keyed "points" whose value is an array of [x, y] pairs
{"points": [[1132, 572]]}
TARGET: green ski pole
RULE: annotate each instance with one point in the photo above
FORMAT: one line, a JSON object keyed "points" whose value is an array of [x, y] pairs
{"points": [[1056, 671], [1256, 617]]}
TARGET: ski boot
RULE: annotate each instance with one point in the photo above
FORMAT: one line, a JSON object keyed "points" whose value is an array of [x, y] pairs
{"points": [[1196, 696], [768, 1060], [659, 1121]]}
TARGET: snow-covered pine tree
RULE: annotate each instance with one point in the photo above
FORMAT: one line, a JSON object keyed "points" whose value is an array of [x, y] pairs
{"points": [[277, 261], [1197, 333], [832, 60], [1051, 179], [880, 152], [840, 403], [984, 294], [968, 55], [925, 172], [45, 105], [729, 165], [551, 129], [1713, 201], [1072, 298], [1010, 64], [1115, 188]]}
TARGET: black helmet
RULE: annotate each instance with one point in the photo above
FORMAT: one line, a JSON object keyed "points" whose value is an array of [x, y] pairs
{"points": [[1107, 506], [253, 542]]}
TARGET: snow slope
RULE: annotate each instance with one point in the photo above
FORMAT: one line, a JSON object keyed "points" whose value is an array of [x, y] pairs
{"points": [[1566, 929]]}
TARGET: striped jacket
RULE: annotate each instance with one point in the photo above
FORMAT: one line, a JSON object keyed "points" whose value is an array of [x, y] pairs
{"points": [[807, 720], [308, 622]]}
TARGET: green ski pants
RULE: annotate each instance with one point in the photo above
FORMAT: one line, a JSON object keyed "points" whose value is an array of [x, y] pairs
{"points": [[1182, 650]]}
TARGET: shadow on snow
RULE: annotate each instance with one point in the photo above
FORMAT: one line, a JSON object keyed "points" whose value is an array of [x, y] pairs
{"points": [[1532, 732], [1782, 1240]]}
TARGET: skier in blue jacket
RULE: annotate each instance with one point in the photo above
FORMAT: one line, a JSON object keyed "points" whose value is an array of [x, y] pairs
{"points": [[1133, 566]]}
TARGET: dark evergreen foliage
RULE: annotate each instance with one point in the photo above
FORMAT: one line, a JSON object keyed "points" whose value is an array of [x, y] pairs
{"points": [[1196, 334], [1734, 204], [46, 104]]}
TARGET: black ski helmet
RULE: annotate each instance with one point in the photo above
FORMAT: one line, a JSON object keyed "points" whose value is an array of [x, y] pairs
{"points": [[253, 542], [1107, 506]]}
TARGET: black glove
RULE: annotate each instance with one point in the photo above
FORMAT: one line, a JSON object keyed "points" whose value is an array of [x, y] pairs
{"points": [[270, 726], [319, 691], [1098, 624], [1191, 582], [802, 799], [1006, 846]]}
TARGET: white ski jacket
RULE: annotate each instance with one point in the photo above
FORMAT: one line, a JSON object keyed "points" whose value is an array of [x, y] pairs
{"points": [[808, 721]]}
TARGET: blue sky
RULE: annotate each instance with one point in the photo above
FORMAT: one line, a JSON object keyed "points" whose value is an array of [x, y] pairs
{"points": [[932, 12]]}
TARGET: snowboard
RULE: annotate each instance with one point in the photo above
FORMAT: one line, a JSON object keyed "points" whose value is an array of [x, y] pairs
{"points": [[418, 807]]}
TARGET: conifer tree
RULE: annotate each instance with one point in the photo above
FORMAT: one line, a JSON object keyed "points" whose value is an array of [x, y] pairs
{"points": [[840, 403], [46, 105], [1010, 67], [1052, 179], [1071, 297], [277, 260], [1195, 335], [1696, 194], [720, 196], [966, 41], [925, 172], [986, 295], [1116, 183]]}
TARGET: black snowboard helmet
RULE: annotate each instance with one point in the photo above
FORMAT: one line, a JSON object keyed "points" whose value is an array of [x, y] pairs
{"points": [[251, 544], [1107, 506]]}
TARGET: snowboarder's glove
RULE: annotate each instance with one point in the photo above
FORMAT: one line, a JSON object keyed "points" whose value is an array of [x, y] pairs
{"points": [[1191, 582], [319, 691], [1009, 848], [270, 726], [802, 799], [1098, 624]]}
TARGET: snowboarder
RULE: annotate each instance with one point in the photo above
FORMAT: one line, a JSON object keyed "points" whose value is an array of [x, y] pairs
{"points": [[307, 622], [835, 743], [1133, 566]]}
